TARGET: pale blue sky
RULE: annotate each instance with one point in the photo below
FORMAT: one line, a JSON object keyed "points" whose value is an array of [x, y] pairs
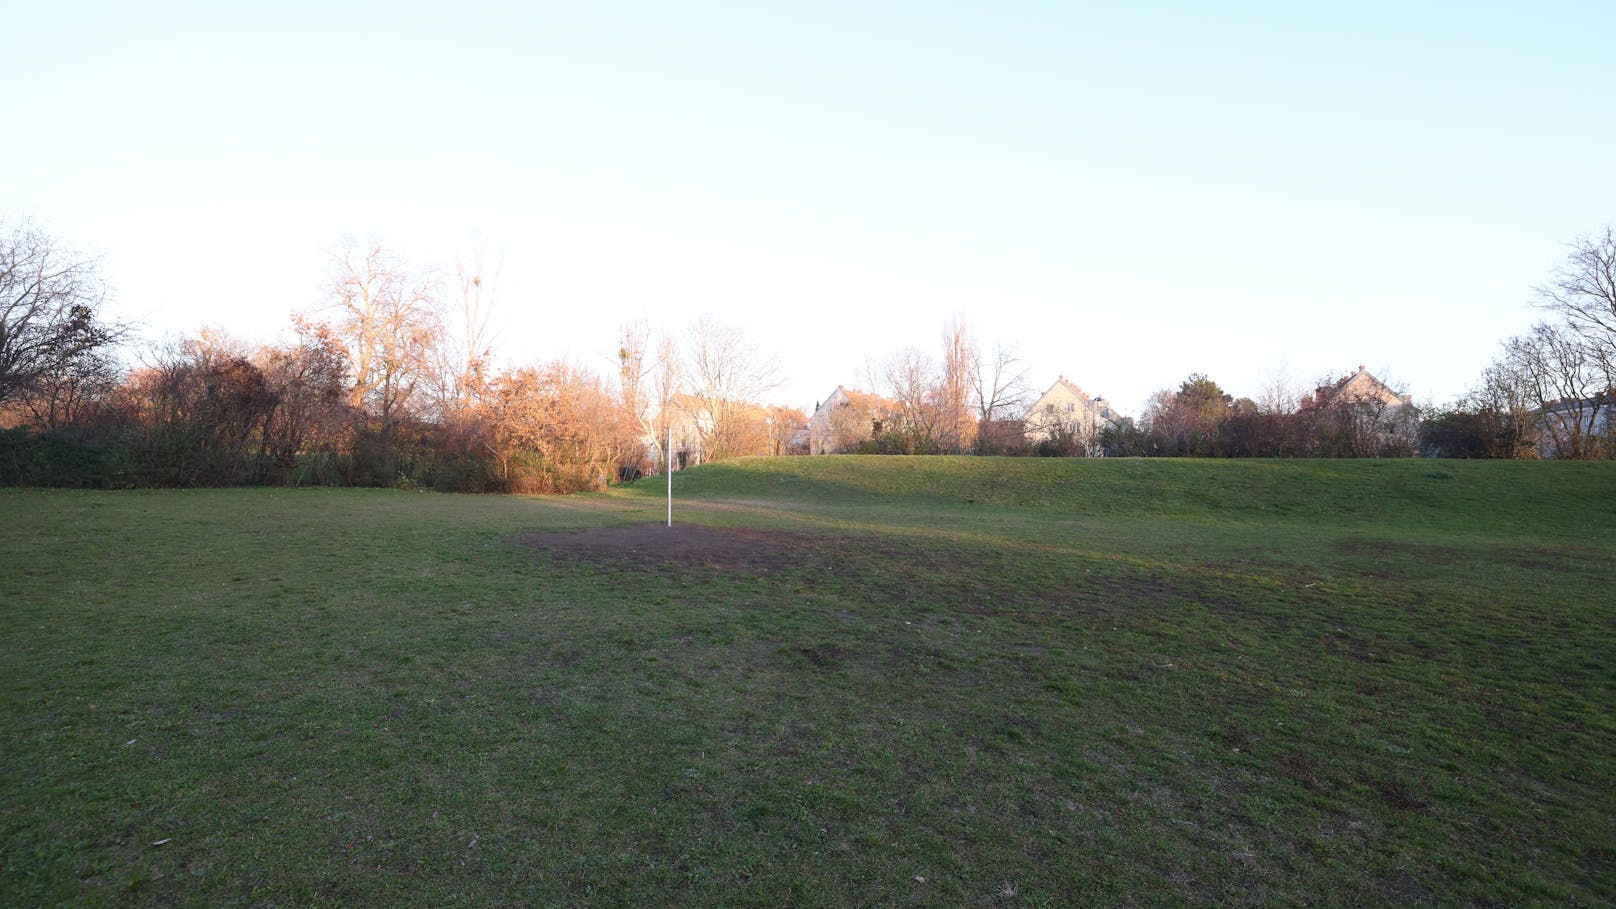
{"points": [[1126, 194]]}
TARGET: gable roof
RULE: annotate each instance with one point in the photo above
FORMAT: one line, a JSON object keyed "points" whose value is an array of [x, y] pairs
{"points": [[862, 401], [1063, 384], [1067, 385], [1354, 386]]}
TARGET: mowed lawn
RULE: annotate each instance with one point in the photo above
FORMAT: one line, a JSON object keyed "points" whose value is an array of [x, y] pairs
{"points": [[929, 682]]}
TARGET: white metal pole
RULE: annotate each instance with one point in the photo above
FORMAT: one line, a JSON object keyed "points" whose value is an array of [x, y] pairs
{"points": [[668, 466]]}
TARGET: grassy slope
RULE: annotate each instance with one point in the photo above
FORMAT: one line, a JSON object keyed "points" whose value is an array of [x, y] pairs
{"points": [[987, 682]]}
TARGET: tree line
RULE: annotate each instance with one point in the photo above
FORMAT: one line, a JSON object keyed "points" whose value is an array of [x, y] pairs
{"points": [[1196, 419], [1550, 392], [393, 382]]}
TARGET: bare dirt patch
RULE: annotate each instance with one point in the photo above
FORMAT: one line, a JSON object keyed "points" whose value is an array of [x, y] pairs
{"points": [[1560, 559], [682, 545]]}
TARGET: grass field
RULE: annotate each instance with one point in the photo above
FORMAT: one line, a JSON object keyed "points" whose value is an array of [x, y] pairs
{"points": [[931, 682]]}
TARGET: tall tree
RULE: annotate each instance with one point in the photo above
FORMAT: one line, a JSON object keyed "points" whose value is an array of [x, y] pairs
{"points": [[961, 357], [50, 299], [389, 319], [1000, 393], [1583, 293], [910, 379], [1496, 419], [463, 355], [725, 375], [1505, 403], [647, 380], [1280, 393], [1561, 374], [665, 384]]}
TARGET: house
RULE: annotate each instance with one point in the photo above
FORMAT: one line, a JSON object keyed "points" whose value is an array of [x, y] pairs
{"points": [[847, 418], [1067, 417], [1359, 415], [1577, 428], [691, 424], [713, 429], [1355, 387]]}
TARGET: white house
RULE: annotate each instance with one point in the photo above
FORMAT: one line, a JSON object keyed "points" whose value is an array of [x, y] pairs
{"points": [[1066, 412], [1377, 417], [846, 418], [1575, 428], [690, 423]]}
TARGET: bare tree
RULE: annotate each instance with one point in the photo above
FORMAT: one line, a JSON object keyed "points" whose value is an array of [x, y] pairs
{"points": [[1504, 405], [956, 425], [66, 396], [213, 344], [647, 382], [49, 302], [1280, 394], [664, 386], [940, 404], [725, 375], [632, 367], [1583, 292], [463, 356], [1000, 393], [389, 320], [910, 379], [1560, 372]]}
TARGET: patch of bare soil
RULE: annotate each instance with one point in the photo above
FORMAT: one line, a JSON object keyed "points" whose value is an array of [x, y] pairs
{"points": [[1435, 555], [682, 545]]}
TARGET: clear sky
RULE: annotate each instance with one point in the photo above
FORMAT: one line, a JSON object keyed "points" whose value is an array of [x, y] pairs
{"points": [[1125, 192]]}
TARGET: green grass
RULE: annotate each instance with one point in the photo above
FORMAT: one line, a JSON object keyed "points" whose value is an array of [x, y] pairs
{"points": [[969, 682]]}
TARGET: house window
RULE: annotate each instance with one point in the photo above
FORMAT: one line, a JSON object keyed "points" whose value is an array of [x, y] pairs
{"points": [[1071, 407]]}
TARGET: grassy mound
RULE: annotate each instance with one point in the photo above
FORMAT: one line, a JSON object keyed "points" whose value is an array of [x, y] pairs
{"points": [[863, 682], [1465, 497]]}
